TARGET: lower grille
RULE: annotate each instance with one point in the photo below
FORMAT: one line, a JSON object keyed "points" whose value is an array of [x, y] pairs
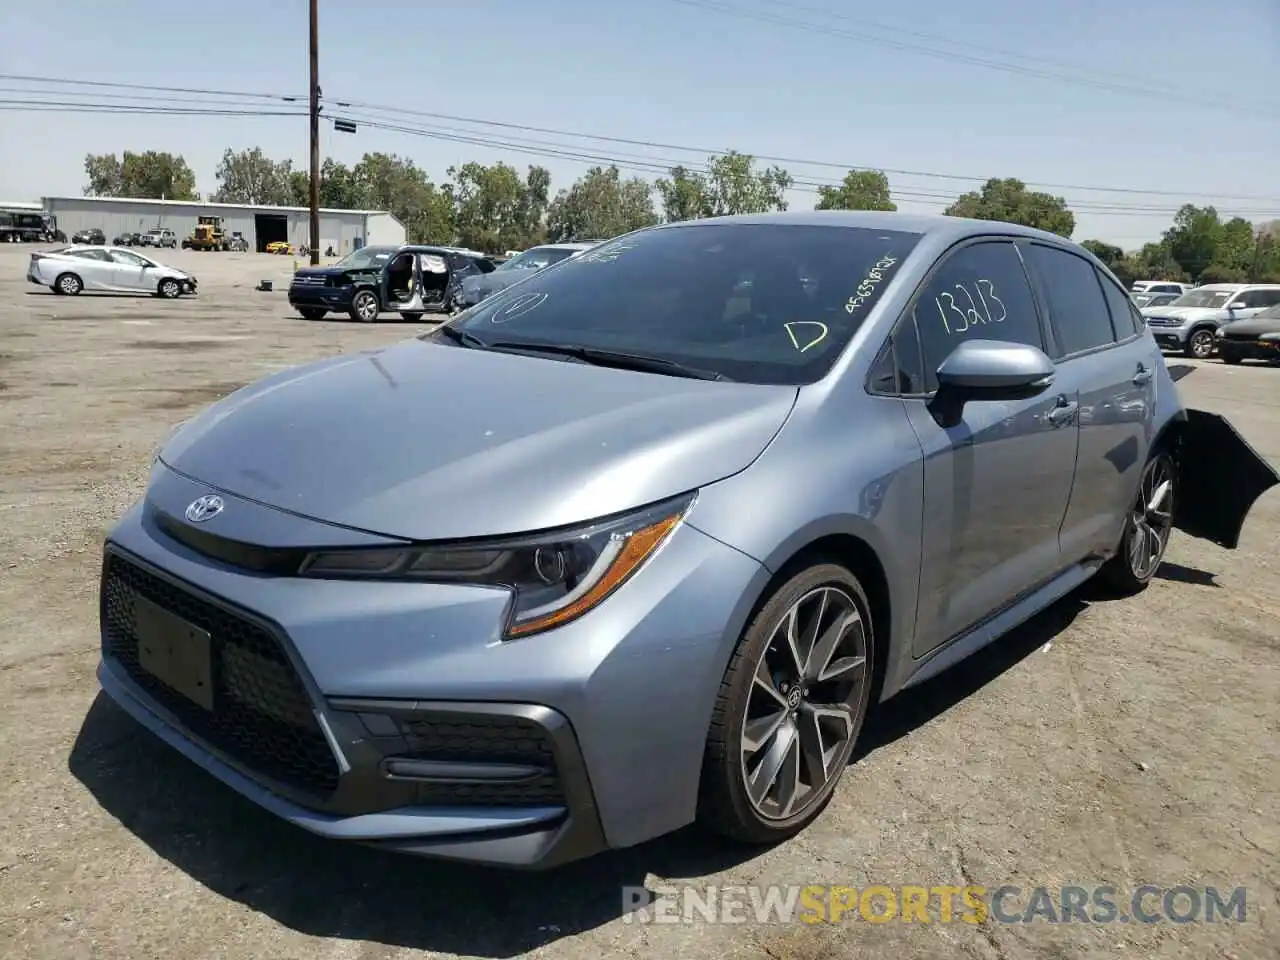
{"points": [[487, 739], [261, 718]]}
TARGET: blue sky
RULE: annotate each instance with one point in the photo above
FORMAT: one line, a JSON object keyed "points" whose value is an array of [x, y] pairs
{"points": [[836, 90]]}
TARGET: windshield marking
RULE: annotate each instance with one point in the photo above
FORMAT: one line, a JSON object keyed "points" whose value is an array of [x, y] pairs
{"points": [[518, 307], [817, 338], [867, 287]]}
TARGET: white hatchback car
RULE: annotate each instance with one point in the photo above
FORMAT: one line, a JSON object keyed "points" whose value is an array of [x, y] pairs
{"points": [[68, 270]]}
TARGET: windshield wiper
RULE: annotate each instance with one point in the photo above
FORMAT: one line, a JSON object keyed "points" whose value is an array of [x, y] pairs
{"points": [[612, 358], [464, 337]]}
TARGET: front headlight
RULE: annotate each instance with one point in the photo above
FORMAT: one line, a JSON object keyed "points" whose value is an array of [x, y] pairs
{"points": [[555, 577]]}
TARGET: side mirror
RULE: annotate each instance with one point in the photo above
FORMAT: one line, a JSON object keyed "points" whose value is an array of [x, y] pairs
{"points": [[1238, 305], [985, 370]]}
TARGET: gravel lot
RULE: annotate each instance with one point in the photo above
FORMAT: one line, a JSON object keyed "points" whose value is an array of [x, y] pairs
{"points": [[1121, 742]]}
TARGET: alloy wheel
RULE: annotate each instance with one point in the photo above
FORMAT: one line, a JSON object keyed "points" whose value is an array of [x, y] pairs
{"points": [[170, 289], [69, 284], [801, 714], [1201, 344], [366, 307], [1152, 518]]}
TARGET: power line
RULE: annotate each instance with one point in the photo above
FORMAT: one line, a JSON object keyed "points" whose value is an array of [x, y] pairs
{"points": [[1039, 73], [56, 106], [686, 148], [663, 166], [150, 87]]}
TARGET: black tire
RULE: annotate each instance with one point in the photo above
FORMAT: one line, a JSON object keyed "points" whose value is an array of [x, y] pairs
{"points": [[1200, 344], [364, 306], [724, 804], [1122, 574], [1229, 356], [68, 284], [411, 317], [312, 313], [169, 288]]}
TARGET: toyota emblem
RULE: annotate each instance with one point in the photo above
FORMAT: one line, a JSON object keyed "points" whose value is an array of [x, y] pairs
{"points": [[205, 508]]}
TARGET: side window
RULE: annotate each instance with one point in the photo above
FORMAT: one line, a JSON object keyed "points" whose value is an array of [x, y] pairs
{"points": [[980, 293], [898, 368], [127, 258], [1122, 312], [1077, 308], [1260, 298], [92, 255]]}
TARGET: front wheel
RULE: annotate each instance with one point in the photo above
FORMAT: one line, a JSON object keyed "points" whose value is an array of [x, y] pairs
{"points": [[1147, 528], [411, 317], [790, 708], [1229, 356], [169, 289], [364, 306], [1200, 344]]}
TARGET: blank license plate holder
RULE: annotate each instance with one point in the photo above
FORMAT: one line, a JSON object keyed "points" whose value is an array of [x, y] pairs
{"points": [[175, 652]]}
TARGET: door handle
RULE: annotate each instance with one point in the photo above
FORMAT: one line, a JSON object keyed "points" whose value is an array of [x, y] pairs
{"points": [[1142, 377], [1063, 412]]}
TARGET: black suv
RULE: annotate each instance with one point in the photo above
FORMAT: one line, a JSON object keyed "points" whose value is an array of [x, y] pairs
{"points": [[89, 236], [408, 279]]}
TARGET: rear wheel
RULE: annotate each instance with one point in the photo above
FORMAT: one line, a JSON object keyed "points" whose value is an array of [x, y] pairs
{"points": [[790, 708], [1229, 356], [1200, 344], [68, 284], [364, 306], [1147, 529], [311, 313]]}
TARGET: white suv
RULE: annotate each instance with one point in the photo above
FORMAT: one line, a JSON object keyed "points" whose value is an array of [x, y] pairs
{"points": [[1190, 324]]}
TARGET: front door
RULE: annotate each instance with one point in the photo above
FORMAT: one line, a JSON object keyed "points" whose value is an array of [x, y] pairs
{"points": [[129, 271], [400, 283], [997, 484]]}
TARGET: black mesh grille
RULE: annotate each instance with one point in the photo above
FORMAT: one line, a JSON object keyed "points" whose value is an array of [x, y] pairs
{"points": [[492, 739], [261, 716]]}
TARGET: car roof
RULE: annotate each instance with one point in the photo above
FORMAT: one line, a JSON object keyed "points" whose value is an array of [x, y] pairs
{"points": [[583, 245], [936, 226]]}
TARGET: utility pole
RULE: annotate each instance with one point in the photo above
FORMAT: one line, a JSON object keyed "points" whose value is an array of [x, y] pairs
{"points": [[315, 134]]}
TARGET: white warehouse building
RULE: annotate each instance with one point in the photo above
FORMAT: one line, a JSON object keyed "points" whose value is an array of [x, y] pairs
{"points": [[343, 230]]}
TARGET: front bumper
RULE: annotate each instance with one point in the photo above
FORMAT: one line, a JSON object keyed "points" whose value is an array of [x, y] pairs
{"points": [[1249, 349], [1169, 338], [318, 297], [391, 713]]}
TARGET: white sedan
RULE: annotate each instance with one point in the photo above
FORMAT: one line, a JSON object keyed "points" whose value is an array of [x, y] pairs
{"points": [[68, 270]]}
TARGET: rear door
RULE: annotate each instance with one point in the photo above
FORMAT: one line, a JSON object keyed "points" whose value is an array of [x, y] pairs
{"points": [[997, 483], [1100, 353], [94, 267]]}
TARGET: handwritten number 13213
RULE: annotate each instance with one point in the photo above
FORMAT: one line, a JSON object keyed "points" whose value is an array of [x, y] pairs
{"points": [[963, 310]]}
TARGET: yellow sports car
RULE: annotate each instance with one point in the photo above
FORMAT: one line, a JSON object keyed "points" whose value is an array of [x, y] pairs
{"points": [[280, 246]]}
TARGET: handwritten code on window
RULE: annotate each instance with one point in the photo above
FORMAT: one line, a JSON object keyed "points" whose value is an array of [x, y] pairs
{"points": [[967, 306]]}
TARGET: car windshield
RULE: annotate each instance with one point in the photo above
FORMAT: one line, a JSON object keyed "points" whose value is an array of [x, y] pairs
{"points": [[366, 257], [762, 303], [1205, 298], [535, 258], [1142, 299]]}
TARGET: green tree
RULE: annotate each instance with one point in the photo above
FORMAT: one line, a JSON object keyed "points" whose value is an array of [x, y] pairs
{"points": [[1010, 201], [601, 205], [731, 184], [150, 175], [860, 190], [250, 176], [495, 208], [382, 181], [1194, 238]]}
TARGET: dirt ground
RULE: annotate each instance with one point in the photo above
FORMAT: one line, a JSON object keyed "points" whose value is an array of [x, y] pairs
{"points": [[1108, 742]]}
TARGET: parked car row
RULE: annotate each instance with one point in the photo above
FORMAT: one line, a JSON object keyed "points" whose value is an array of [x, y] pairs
{"points": [[1190, 324], [414, 279]]}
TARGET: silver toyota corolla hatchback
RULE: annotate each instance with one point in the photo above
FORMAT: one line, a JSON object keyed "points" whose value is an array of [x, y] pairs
{"points": [[639, 540]]}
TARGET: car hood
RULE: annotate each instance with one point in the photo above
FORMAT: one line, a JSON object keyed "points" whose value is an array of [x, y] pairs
{"points": [[325, 271], [1185, 313], [431, 442]]}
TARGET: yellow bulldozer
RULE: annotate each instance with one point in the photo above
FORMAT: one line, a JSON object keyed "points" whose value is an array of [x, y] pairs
{"points": [[208, 235]]}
